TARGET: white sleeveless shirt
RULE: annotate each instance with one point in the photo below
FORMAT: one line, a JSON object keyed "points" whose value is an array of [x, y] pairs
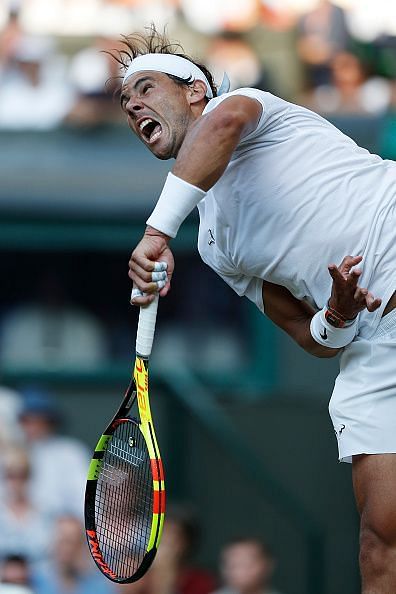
{"points": [[296, 196]]}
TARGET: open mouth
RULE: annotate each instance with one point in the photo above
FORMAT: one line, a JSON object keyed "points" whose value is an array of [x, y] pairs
{"points": [[150, 130]]}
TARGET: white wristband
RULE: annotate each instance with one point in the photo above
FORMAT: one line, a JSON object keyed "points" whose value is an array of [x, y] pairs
{"points": [[177, 200], [329, 336]]}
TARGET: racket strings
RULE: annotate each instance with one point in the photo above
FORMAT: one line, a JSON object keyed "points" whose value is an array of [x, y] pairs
{"points": [[124, 501]]}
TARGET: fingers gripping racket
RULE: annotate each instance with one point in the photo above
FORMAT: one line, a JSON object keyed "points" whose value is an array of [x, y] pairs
{"points": [[125, 493]]}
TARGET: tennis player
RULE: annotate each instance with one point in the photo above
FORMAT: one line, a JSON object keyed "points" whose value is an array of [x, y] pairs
{"points": [[302, 221]]}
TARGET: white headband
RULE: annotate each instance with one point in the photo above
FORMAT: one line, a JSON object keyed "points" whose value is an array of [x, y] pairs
{"points": [[171, 64]]}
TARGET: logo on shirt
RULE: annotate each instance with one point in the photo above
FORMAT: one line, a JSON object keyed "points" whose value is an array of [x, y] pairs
{"points": [[211, 239], [324, 335], [339, 431]]}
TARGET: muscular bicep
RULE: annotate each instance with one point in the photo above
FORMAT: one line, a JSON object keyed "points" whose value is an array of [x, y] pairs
{"points": [[294, 317], [240, 111], [212, 139], [283, 309]]}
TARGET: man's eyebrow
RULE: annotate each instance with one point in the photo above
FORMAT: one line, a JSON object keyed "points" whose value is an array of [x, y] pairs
{"points": [[139, 81]]}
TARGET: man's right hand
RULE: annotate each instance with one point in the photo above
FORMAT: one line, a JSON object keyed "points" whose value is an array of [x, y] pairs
{"points": [[151, 266]]}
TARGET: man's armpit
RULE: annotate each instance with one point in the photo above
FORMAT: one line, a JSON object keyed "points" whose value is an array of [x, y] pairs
{"points": [[282, 307]]}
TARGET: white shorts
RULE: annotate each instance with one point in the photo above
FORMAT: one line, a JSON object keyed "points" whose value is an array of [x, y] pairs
{"points": [[363, 403]]}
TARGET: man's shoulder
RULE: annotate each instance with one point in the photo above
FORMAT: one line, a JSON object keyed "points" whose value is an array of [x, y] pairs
{"points": [[243, 91]]}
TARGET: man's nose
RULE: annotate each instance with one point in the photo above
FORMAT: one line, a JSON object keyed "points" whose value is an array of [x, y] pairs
{"points": [[134, 105]]}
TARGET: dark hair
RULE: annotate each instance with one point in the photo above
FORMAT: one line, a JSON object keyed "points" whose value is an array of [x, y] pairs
{"points": [[185, 517], [260, 545], [15, 558], [154, 42]]}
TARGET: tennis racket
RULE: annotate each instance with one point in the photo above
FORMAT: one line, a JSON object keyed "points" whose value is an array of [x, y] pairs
{"points": [[125, 492]]}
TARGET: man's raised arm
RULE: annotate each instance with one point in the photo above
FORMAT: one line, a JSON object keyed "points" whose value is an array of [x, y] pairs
{"points": [[212, 138], [202, 159]]}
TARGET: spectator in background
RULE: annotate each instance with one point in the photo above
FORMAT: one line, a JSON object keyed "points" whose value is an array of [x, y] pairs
{"points": [[322, 33], [34, 93], [350, 90], [59, 463], [95, 76], [173, 571], [10, 404], [15, 571], [246, 567], [24, 526], [49, 333], [9, 39], [232, 54], [72, 569], [10, 432], [142, 586]]}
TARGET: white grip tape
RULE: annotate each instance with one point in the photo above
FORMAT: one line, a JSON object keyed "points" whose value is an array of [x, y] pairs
{"points": [[178, 198], [146, 328], [329, 336]]}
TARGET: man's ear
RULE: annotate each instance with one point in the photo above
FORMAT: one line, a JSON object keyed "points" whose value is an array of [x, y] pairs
{"points": [[196, 92]]}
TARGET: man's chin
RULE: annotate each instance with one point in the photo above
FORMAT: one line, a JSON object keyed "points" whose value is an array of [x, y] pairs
{"points": [[162, 153]]}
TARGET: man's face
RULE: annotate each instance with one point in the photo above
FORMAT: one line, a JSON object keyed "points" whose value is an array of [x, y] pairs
{"points": [[158, 111], [245, 568], [69, 548], [15, 572]]}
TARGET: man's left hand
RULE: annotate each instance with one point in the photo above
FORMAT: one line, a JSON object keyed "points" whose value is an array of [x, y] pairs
{"points": [[347, 298]]}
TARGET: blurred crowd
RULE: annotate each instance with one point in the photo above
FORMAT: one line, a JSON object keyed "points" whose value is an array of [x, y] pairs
{"points": [[41, 88], [42, 540], [62, 325], [54, 72]]}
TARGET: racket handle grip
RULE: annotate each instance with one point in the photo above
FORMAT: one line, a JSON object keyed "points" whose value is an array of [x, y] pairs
{"points": [[146, 328]]}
